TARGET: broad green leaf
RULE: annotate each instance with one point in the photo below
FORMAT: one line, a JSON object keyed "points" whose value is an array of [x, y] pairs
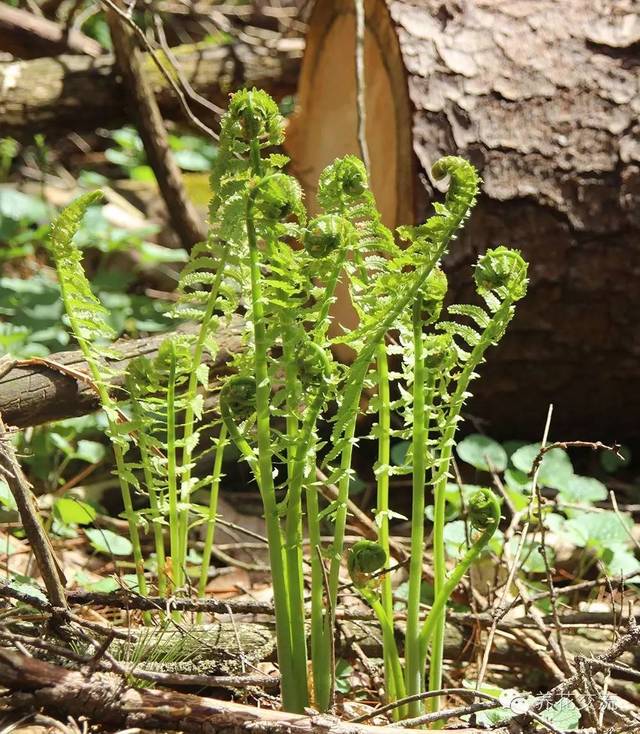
{"points": [[611, 462], [555, 467], [72, 511], [482, 452], [599, 529], [108, 542], [90, 451], [582, 490], [399, 452], [563, 715], [620, 560]]}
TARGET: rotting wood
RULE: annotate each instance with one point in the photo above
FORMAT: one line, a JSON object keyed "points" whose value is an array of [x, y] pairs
{"points": [[75, 94], [32, 392], [104, 698], [29, 36], [543, 98]]}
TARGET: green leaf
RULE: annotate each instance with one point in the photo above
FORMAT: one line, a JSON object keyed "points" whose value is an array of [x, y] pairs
{"points": [[610, 462], [90, 451], [21, 207], [563, 715], [72, 511], [108, 542], [399, 452], [104, 585], [6, 497], [620, 561], [531, 559], [555, 467], [599, 529], [482, 452], [582, 490]]}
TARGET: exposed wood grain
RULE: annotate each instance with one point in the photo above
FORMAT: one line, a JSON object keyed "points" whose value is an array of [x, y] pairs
{"points": [[543, 97]]}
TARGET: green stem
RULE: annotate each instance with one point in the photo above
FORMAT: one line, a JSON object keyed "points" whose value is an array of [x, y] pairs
{"points": [[389, 639], [109, 405], [172, 483], [382, 508], [440, 602], [320, 642], [154, 504], [296, 445], [294, 690], [414, 668], [191, 393], [213, 512], [441, 474]]}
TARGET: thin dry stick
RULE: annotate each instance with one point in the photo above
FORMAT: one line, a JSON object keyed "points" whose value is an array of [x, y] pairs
{"points": [[614, 503], [360, 85], [49, 568], [594, 445], [163, 70], [183, 215], [502, 608], [176, 66]]}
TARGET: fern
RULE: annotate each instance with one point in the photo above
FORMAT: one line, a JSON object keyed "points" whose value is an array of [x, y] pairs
{"points": [[87, 319], [263, 256]]}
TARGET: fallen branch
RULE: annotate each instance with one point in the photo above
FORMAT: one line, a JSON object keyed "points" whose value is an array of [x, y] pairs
{"points": [[37, 391], [29, 36], [76, 93], [104, 698]]}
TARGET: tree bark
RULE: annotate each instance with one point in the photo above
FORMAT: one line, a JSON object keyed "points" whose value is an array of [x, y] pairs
{"points": [[74, 93], [543, 98], [104, 698], [35, 391]]}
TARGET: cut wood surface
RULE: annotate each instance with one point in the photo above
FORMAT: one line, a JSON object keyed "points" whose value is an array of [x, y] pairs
{"points": [[73, 93], [543, 97], [34, 391], [104, 698]]}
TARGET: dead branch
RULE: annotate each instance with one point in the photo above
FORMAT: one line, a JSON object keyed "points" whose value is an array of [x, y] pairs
{"points": [[144, 109], [29, 36], [105, 698], [77, 93], [50, 570], [36, 392]]}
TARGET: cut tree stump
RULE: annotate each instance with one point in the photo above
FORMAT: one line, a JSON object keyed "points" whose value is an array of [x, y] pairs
{"points": [[543, 97], [76, 94]]}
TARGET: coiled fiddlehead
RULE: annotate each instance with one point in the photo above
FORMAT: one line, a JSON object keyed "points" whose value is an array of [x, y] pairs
{"points": [[364, 559], [484, 516], [238, 404]]}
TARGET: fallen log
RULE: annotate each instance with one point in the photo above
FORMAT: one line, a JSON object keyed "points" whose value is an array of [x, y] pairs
{"points": [[74, 93], [30, 36], [106, 699], [543, 98], [35, 391]]}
